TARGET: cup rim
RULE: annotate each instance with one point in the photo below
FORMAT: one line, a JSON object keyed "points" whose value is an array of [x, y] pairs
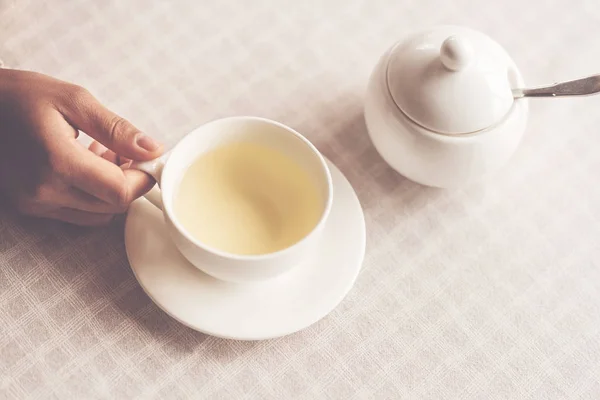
{"points": [[249, 257]]}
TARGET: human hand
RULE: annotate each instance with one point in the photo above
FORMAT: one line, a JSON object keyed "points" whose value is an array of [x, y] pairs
{"points": [[46, 172]]}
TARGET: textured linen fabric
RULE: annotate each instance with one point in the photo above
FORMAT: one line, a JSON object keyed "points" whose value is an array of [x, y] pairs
{"points": [[487, 292]]}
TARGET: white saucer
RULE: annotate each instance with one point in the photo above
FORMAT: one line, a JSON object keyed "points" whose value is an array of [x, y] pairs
{"points": [[264, 310]]}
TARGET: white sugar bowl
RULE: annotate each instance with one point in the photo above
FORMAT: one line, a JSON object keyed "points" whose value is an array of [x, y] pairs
{"points": [[439, 106]]}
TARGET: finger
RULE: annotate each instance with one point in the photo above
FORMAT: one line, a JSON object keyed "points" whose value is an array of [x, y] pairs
{"points": [[86, 113], [97, 148], [81, 168], [103, 179], [101, 151], [111, 156], [124, 162], [140, 182], [77, 199], [81, 218], [57, 194]]}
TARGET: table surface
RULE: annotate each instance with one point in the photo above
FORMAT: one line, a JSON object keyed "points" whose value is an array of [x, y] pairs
{"points": [[491, 291]]}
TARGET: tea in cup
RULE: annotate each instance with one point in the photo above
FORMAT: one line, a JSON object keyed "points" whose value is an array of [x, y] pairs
{"points": [[244, 198]]}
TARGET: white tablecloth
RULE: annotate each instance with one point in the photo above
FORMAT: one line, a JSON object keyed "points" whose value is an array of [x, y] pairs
{"points": [[492, 291]]}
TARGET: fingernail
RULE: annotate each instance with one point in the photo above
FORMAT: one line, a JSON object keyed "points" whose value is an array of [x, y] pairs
{"points": [[146, 142]]}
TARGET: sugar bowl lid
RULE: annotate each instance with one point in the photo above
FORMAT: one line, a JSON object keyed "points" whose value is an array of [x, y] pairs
{"points": [[451, 80]]}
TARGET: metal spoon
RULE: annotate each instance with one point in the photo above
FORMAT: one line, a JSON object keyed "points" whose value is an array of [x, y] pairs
{"points": [[578, 87]]}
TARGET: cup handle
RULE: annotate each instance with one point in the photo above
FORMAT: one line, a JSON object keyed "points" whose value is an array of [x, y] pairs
{"points": [[153, 168]]}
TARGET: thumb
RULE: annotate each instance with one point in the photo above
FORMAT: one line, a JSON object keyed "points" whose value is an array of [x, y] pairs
{"points": [[86, 113]]}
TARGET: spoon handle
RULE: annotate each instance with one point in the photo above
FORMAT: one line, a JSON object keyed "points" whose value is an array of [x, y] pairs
{"points": [[578, 87]]}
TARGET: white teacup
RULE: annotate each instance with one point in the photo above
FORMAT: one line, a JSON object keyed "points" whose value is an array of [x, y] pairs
{"points": [[169, 170]]}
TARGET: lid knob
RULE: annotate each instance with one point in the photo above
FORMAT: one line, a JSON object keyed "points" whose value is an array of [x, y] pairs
{"points": [[456, 53]]}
